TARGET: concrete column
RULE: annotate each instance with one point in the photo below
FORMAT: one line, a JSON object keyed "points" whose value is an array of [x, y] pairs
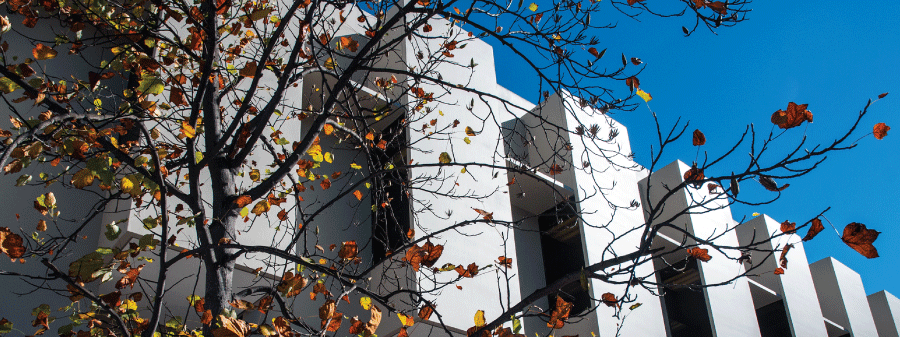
{"points": [[842, 297], [886, 312]]}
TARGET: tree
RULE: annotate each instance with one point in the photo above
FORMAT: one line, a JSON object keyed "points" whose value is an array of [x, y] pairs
{"points": [[319, 142]]}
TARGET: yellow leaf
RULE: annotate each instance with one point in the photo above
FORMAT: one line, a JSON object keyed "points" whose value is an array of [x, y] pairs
{"points": [[261, 207], [365, 302], [467, 140], [470, 132], [645, 95], [42, 52], [533, 7], [254, 175], [245, 212], [131, 184], [329, 64], [405, 320], [83, 178], [187, 130], [479, 318], [445, 158], [355, 166], [328, 157]]}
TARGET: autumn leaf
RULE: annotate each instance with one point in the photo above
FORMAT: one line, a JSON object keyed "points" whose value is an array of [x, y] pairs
{"points": [[505, 261], [783, 258], [636, 61], [559, 314], [858, 237], [632, 2], [632, 82], [231, 327], [699, 138], [470, 132], [484, 214], [130, 278], [468, 272], [42, 52], [610, 300], [83, 178], [187, 130], [11, 243], [771, 185], [243, 200], [882, 95], [694, 175], [261, 207], [426, 311], [645, 95], [880, 130], [699, 254], [291, 285], [479, 318], [793, 117], [348, 250], [718, 7], [405, 320], [328, 129], [444, 158], [788, 227], [358, 195], [779, 271], [814, 229]]}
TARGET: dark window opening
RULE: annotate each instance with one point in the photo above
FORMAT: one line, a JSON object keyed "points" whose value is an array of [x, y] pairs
{"points": [[390, 218], [685, 307], [773, 321], [563, 253]]}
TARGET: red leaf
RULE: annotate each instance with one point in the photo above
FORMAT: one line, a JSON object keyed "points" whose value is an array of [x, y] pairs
{"points": [[779, 271], [814, 229], [793, 117], [783, 259], [882, 95], [860, 239], [788, 227], [610, 300], [699, 138], [880, 130]]}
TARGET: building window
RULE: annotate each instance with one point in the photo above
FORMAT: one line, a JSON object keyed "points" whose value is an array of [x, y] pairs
{"points": [[563, 252], [390, 217]]}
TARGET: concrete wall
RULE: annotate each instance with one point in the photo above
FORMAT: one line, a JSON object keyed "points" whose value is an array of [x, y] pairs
{"points": [[795, 287], [842, 297], [886, 312]]}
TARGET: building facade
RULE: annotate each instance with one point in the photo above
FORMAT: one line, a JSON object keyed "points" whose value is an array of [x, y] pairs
{"points": [[563, 221]]}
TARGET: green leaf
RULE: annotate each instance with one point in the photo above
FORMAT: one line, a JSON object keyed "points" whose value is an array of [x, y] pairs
{"points": [[467, 140], [150, 223], [104, 251], [41, 308], [198, 156], [260, 13], [24, 179], [175, 323], [86, 266], [112, 231], [150, 84], [445, 158], [634, 306], [517, 325], [148, 241], [7, 86]]}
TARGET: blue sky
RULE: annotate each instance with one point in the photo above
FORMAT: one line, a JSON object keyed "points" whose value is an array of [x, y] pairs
{"points": [[831, 55]]}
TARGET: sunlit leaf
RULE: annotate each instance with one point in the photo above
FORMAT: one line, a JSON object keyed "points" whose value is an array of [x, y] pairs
{"points": [[644, 95], [858, 237], [880, 130], [42, 52]]}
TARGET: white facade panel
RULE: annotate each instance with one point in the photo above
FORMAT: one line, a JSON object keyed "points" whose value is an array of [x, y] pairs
{"points": [[842, 297], [886, 312]]}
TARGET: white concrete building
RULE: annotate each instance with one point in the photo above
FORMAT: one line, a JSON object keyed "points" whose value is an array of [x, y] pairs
{"points": [[822, 299]]}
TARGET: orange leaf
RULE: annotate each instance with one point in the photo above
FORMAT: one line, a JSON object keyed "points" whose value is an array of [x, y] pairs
{"points": [[328, 128], [358, 195], [699, 138], [129, 278], [348, 250], [779, 271], [405, 320], [42, 52], [610, 300], [282, 215], [699, 254], [694, 175], [505, 261], [426, 311], [880, 130], [242, 201], [793, 117], [231, 327], [291, 285], [469, 271], [559, 314], [860, 239], [11, 243], [814, 229], [632, 82], [485, 214]]}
